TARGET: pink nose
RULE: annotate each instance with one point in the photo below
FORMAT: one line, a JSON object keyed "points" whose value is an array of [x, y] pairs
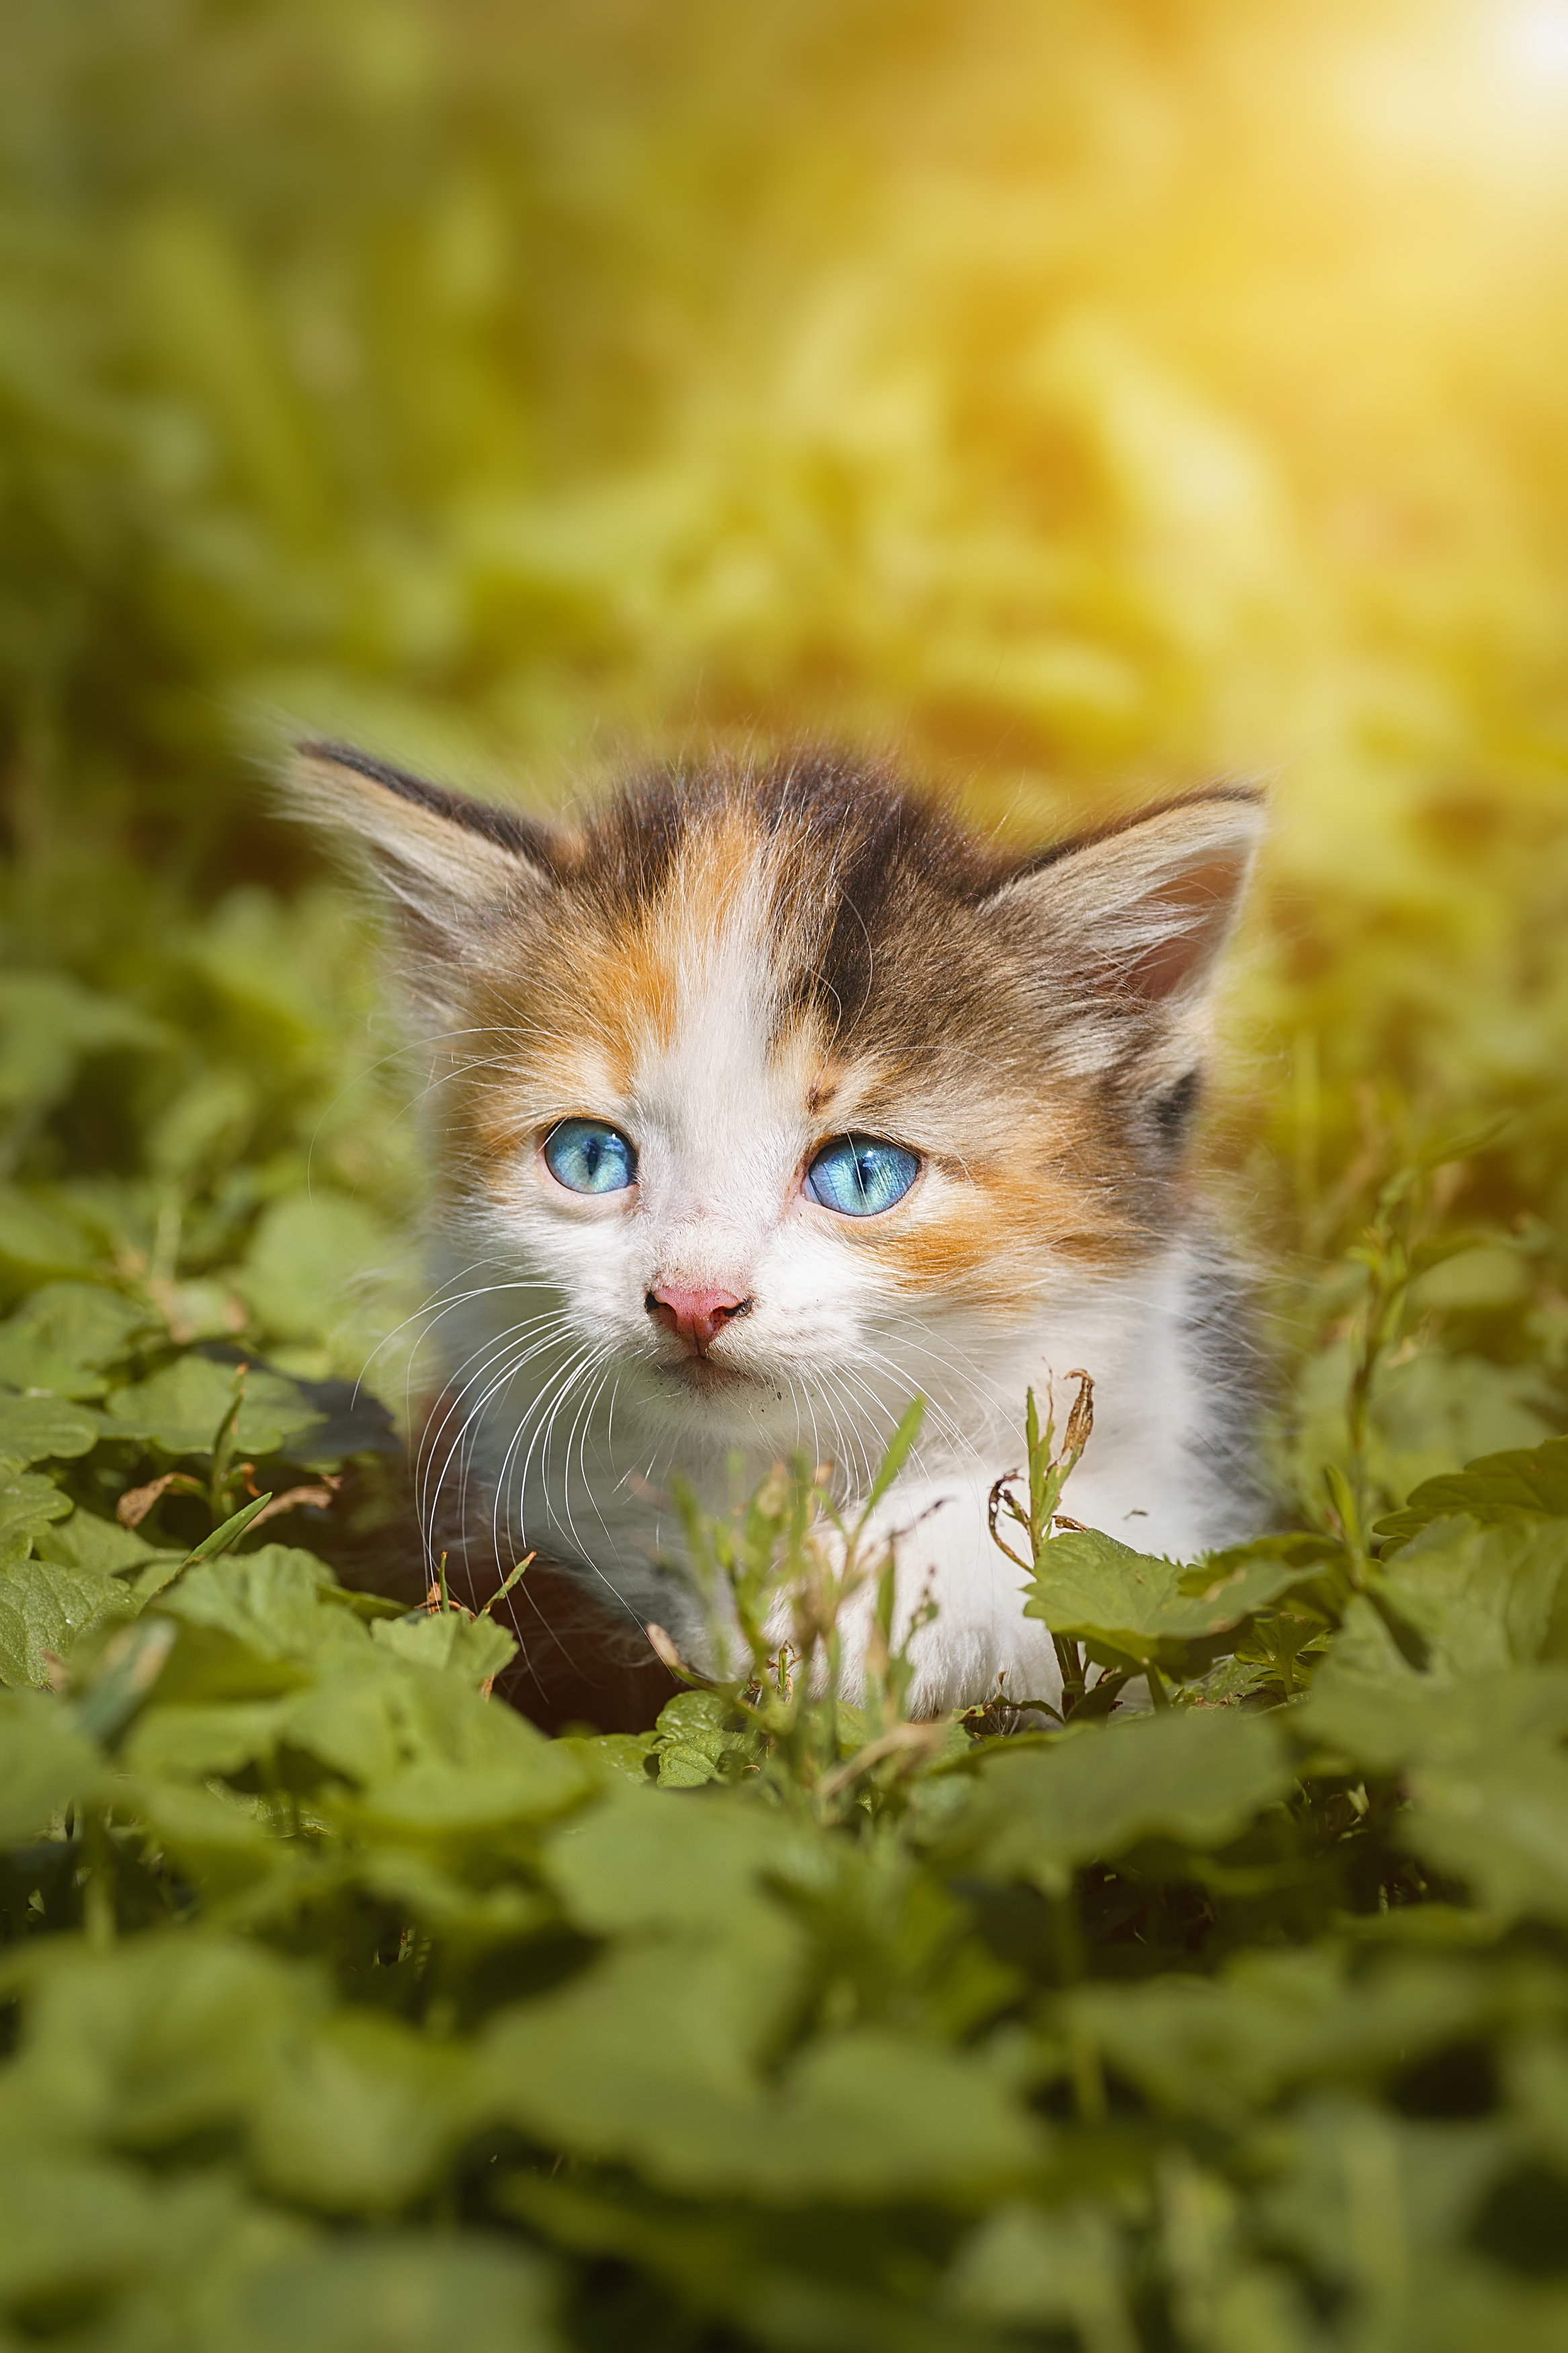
{"points": [[697, 1315]]}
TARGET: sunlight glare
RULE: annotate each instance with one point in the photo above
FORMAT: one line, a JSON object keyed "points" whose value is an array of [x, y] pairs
{"points": [[1535, 42]]}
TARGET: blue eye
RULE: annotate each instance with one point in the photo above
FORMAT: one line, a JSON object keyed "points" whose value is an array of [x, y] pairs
{"points": [[586, 1156], [859, 1176]]}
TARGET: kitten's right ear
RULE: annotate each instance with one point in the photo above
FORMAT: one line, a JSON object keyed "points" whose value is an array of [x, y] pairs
{"points": [[444, 860]]}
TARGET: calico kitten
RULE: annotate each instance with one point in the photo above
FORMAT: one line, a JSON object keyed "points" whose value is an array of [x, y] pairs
{"points": [[765, 1098]]}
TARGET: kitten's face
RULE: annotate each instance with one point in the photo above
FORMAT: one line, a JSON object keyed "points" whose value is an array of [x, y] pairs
{"points": [[791, 1092], [685, 1054]]}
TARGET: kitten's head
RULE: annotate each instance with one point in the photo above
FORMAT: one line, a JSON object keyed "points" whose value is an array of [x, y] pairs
{"points": [[775, 1076]]}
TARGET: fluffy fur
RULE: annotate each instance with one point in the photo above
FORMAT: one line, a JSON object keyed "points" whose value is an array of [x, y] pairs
{"points": [[733, 966]]}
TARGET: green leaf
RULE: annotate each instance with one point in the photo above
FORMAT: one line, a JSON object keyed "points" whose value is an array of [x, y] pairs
{"points": [[873, 2114], [1499, 1822], [359, 1717], [465, 1917], [80, 1324], [228, 1533], [645, 2060], [180, 1407], [1480, 1598], [28, 1503], [635, 1863], [1218, 2047], [36, 1242], [49, 1022], [475, 1648], [75, 2226], [27, 1363], [1433, 2176], [1382, 1723], [1530, 1480], [897, 1455], [223, 1841], [45, 1607], [271, 1600], [1023, 2266], [468, 1771], [697, 1741], [394, 2295], [39, 1430], [620, 1757], [316, 1262], [172, 2033], [202, 1124], [361, 2116], [1091, 1588], [192, 1742], [45, 1764], [84, 1541], [1198, 1776], [118, 1679]]}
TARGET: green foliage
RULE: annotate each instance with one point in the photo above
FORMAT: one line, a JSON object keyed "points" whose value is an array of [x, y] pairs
{"points": [[1074, 397], [340, 1990]]}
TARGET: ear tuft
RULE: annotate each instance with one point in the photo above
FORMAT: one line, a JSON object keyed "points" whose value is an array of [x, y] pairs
{"points": [[436, 852]]}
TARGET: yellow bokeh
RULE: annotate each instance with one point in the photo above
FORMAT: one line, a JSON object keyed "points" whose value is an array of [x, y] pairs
{"points": [[1072, 400]]}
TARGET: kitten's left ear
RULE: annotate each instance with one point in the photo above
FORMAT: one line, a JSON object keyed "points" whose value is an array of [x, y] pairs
{"points": [[437, 856], [1133, 919]]}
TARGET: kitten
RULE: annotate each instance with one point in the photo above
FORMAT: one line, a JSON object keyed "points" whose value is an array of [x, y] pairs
{"points": [[767, 1098]]}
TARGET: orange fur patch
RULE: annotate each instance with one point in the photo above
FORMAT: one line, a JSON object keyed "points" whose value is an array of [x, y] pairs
{"points": [[577, 1014]]}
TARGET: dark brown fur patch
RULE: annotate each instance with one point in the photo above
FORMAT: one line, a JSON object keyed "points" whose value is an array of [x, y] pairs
{"points": [[505, 828]]}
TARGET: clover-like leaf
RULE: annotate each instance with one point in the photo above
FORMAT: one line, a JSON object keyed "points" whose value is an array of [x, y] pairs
{"points": [[29, 1504], [86, 1324], [273, 1600], [1527, 1481], [1216, 2047], [45, 1607], [180, 1408], [29, 1364], [84, 1540], [362, 2114], [648, 2059], [1195, 1775], [1091, 1588], [44, 1429], [1479, 1598], [372, 2294], [75, 2224], [49, 1022], [45, 1764], [475, 1648], [1382, 1723], [1499, 1822]]}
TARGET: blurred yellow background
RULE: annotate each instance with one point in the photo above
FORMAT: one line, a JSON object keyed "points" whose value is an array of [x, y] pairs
{"points": [[1074, 400], [1084, 396]]}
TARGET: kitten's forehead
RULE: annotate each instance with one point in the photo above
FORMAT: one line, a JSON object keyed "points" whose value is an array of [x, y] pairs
{"points": [[747, 966], [743, 963], [724, 1070], [813, 907], [740, 981]]}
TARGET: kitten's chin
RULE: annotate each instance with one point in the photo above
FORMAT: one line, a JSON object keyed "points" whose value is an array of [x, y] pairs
{"points": [[701, 1377], [704, 1401]]}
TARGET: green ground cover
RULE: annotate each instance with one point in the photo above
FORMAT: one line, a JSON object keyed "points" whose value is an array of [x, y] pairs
{"points": [[1076, 400]]}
